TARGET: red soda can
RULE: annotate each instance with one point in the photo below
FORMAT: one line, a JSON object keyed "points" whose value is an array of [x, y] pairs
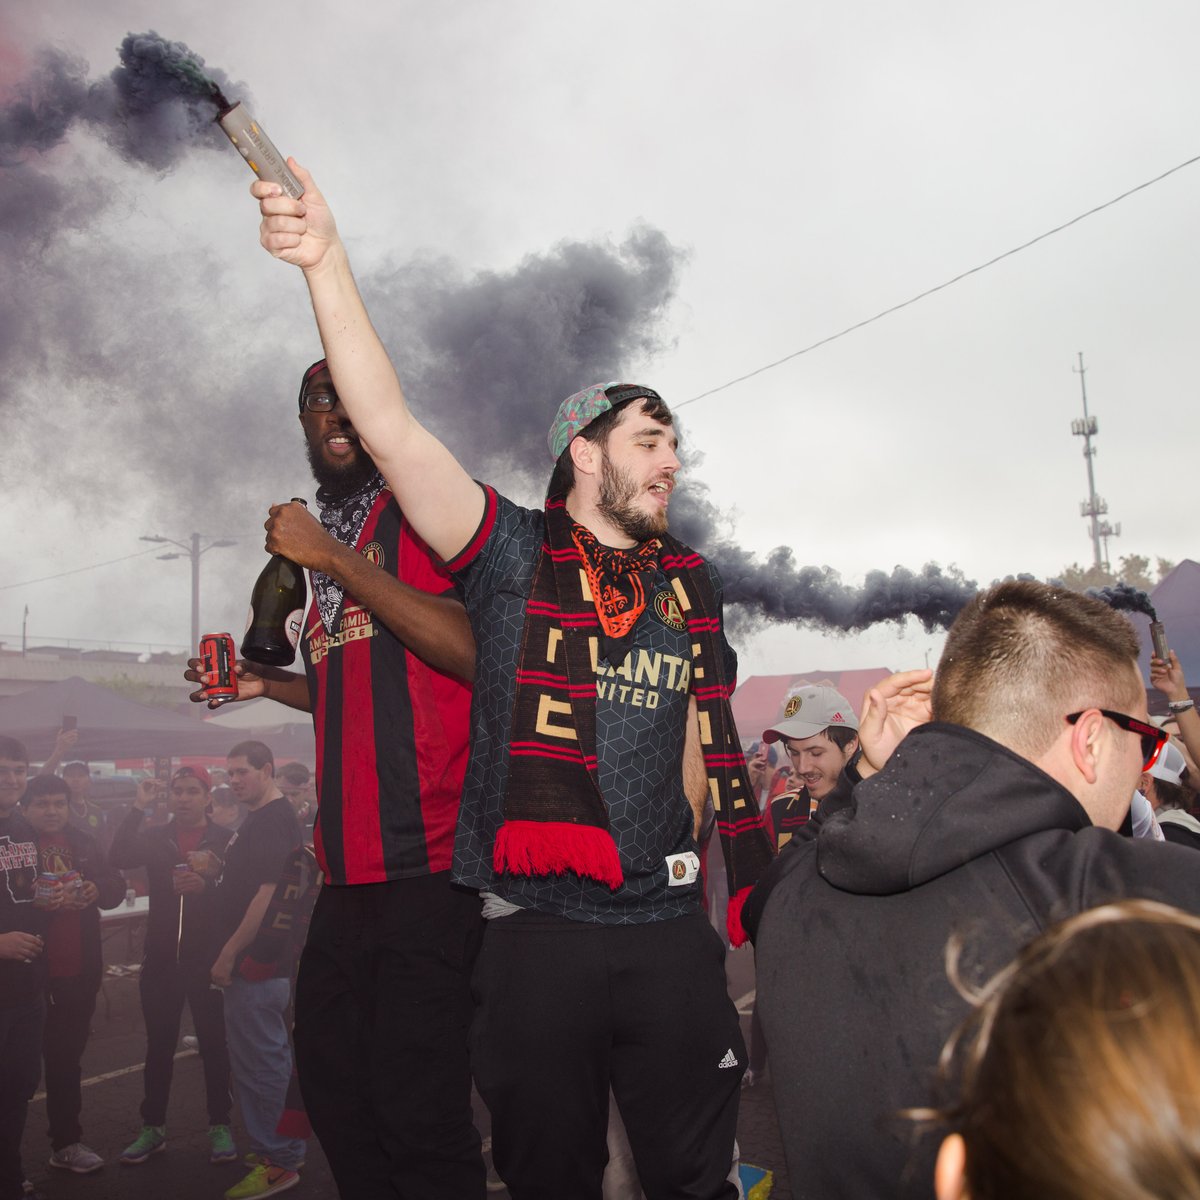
{"points": [[219, 659], [72, 881]]}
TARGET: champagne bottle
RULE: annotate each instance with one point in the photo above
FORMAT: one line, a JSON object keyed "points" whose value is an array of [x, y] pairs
{"points": [[276, 612]]}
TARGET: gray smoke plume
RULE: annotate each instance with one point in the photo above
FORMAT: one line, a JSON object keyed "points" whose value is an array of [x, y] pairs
{"points": [[1125, 598], [170, 392], [158, 103], [486, 360]]}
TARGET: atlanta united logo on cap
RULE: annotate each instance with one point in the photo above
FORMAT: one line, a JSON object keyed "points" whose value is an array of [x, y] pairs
{"points": [[792, 707], [373, 553], [666, 608]]}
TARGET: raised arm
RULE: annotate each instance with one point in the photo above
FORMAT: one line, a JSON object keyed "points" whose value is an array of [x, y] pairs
{"points": [[1169, 679], [440, 499]]}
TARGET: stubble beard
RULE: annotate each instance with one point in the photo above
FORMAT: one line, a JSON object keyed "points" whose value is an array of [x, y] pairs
{"points": [[616, 504]]}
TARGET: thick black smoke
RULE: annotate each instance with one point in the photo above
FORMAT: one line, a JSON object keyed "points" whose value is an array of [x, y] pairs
{"points": [[486, 359], [166, 382], [156, 105], [1125, 598]]}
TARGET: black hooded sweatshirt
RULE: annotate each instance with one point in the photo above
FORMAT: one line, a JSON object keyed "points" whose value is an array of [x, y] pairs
{"points": [[957, 835]]}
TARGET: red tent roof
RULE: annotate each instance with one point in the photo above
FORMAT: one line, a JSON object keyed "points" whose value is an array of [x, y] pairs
{"points": [[758, 702]]}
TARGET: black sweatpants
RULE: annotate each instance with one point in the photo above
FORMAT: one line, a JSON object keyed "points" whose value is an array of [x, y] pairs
{"points": [[383, 1006], [164, 988], [68, 1022], [20, 1070], [564, 1009]]}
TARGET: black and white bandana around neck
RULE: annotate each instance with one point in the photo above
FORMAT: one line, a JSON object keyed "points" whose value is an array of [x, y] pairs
{"points": [[343, 517]]}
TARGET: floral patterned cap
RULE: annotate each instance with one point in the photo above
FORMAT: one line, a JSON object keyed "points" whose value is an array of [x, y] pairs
{"points": [[577, 412]]}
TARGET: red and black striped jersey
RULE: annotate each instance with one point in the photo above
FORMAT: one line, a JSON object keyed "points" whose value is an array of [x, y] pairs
{"points": [[391, 731]]}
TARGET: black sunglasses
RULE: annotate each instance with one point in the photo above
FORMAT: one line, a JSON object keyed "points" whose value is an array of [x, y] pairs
{"points": [[1153, 738]]}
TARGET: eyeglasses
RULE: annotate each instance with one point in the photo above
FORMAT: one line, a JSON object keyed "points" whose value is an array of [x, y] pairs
{"points": [[1153, 738], [320, 401]]}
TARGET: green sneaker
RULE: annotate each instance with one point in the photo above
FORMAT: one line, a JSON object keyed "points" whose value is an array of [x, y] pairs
{"points": [[151, 1140], [220, 1143], [265, 1179]]}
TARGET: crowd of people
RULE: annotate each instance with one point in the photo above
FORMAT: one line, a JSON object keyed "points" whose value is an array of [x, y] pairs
{"points": [[227, 900], [524, 747]]}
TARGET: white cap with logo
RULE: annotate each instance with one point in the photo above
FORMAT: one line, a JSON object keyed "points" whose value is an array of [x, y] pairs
{"points": [[811, 710]]}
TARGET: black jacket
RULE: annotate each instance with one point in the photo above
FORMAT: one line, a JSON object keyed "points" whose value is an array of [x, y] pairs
{"points": [[956, 835], [20, 983], [167, 941]]}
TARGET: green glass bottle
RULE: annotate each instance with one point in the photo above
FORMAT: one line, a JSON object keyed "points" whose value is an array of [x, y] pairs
{"points": [[276, 612]]}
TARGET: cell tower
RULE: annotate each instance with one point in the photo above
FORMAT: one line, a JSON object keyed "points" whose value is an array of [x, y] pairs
{"points": [[1094, 507]]}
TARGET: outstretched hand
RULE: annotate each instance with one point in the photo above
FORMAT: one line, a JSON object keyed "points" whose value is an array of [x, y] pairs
{"points": [[300, 232], [1168, 677], [890, 712], [250, 685]]}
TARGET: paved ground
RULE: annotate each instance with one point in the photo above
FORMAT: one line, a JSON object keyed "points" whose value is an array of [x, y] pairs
{"points": [[112, 1069]]}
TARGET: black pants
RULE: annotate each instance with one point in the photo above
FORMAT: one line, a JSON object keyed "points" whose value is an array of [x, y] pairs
{"points": [[566, 1009], [383, 1007], [20, 1070], [164, 987], [68, 1023]]}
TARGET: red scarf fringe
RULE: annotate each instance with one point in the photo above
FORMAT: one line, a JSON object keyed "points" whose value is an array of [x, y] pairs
{"points": [[733, 917], [555, 847]]}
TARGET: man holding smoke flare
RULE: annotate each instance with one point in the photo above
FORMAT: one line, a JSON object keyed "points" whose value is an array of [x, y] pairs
{"points": [[600, 729]]}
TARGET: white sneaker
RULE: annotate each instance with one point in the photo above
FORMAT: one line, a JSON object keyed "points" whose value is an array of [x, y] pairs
{"points": [[191, 1041], [78, 1158]]}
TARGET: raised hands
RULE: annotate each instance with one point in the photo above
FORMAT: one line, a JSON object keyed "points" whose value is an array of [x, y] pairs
{"points": [[300, 232], [1168, 678], [891, 710]]}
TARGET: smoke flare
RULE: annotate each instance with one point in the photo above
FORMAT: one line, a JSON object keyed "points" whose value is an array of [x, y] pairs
{"points": [[152, 108], [1125, 598]]}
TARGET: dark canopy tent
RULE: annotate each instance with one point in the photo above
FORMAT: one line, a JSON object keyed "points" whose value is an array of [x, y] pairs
{"points": [[1177, 601], [109, 725]]}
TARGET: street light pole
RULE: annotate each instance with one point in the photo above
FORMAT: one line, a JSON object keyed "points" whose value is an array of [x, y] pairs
{"points": [[191, 550]]}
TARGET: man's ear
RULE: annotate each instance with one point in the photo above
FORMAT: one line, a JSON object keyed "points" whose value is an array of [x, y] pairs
{"points": [[585, 456], [1086, 735]]}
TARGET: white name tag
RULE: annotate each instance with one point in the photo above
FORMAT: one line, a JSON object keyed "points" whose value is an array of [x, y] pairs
{"points": [[682, 869]]}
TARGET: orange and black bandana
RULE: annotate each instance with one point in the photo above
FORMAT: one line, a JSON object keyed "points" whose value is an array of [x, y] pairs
{"points": [[617, 579]]}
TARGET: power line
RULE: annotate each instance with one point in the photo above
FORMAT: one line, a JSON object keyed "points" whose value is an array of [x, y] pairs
{"points": [[4, 587], [887, 312]]}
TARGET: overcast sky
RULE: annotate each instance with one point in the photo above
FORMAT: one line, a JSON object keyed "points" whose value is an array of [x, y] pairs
{"points": [[767, 174]]}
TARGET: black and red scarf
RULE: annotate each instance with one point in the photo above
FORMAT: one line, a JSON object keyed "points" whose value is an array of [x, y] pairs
{"points": [[555, 818]]}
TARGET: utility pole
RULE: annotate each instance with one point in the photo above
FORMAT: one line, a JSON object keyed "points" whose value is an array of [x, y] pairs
{"points": [[1094, 507], [192, 550]]}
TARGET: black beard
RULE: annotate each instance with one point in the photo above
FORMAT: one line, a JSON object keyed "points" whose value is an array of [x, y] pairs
{"points": [[340, 482], [615, 503]]}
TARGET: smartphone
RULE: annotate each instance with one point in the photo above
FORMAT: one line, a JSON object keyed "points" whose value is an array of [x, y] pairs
{"points": [[69, 723]]}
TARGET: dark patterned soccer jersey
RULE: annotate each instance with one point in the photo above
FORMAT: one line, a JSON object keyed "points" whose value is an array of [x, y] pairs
{"points": [[391, 731], [641, 713]]}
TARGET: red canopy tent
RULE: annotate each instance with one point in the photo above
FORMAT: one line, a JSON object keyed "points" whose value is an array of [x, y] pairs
{"points": [[758, 702]]}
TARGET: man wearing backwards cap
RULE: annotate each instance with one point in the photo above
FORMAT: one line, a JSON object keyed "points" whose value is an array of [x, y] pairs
{"points": [[819, 731], [600, 726], [180, 947]]}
